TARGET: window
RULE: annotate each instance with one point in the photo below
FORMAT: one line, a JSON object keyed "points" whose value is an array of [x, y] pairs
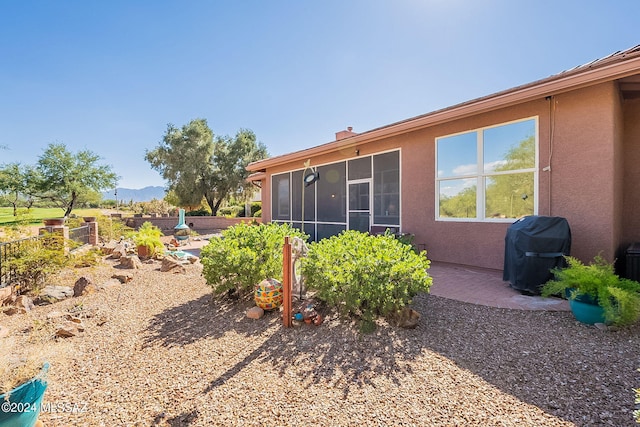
{"points": [[280, 197], [488, 173]]}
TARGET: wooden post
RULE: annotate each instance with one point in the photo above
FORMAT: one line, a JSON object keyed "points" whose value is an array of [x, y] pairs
{"points": [[286, 283]]}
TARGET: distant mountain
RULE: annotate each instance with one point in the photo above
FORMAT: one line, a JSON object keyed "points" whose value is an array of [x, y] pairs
{"points": [[145, 194]]}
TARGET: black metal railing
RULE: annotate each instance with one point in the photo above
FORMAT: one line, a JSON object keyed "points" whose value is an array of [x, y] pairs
{"points": [[80, 235], [9, 250]]}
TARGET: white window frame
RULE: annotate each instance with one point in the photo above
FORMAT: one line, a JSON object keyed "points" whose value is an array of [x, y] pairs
{"points": [[481, 175]]}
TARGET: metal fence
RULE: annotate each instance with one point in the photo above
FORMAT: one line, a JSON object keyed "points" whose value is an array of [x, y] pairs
{"points": [[9, 250], [80, 235]]}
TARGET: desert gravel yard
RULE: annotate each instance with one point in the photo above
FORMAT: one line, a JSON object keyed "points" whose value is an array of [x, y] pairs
{"points": [[158, 351]]}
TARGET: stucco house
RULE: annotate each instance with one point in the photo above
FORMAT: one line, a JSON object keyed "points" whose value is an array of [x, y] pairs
{"points": [[457, 178]]}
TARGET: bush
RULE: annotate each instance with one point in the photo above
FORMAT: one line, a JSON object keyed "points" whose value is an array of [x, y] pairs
{"points": [[366, 275], [149, 235], [619, 297], [33, 261], [244, 256], [231, 211], [257, 214], [198, 212], [256, 207]]}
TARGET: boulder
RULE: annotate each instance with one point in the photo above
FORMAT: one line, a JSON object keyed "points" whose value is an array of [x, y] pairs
{"points": [[110, 283], [55, 293], [5, 295], [405, 318], [83, 286], [24, 302], [131, 262], [123, 278], [119, 251], [255, 313], [173, 265]]}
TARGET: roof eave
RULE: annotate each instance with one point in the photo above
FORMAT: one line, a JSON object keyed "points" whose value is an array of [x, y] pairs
{"points": [[550, 86]]}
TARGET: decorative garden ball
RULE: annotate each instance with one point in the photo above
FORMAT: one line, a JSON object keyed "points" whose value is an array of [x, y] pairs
{"points": [[268, 294]]}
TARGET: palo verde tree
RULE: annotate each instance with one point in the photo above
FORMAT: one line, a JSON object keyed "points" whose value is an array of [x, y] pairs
{"points": [[15, 180], [65, 178], [196, 164]]}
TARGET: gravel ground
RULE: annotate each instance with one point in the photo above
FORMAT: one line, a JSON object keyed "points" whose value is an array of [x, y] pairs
{"points": [[159, 351]]}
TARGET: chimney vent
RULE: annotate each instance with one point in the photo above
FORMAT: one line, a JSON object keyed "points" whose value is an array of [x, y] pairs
{"points": [[345, 133]]}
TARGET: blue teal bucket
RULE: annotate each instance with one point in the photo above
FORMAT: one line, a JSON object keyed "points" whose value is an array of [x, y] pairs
{"points": [[22, 407], [586, 313]]}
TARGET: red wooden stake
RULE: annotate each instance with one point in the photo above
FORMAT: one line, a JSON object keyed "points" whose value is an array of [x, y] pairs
{"points": [[286, 283]]}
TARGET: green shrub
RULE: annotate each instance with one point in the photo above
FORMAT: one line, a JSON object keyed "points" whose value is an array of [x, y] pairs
{"points": [[149, 235], [110, 228], [244, 256], [255, 207], [198, 212], [619, 297], [257, 214], [231, 211], [33, 261], [366, 275]]}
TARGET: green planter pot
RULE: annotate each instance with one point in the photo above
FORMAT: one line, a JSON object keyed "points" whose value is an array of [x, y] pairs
{"points": [[585, 312], [23, 406]]}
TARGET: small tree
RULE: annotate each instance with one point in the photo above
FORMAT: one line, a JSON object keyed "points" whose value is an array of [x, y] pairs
{"points": [[197, 165], [65, 178]]}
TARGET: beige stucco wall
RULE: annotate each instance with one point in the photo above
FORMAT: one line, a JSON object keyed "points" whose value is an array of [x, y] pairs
{"points": [[589, 141]]}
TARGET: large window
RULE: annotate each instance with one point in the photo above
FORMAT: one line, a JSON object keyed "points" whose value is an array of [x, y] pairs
{"points": [[488, 173]]}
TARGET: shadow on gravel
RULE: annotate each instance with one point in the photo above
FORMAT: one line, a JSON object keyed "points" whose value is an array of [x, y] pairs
{"points": [[546, 359]]}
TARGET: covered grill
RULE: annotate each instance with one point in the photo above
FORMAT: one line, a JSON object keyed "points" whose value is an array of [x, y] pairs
{"points": [[533, 246]]}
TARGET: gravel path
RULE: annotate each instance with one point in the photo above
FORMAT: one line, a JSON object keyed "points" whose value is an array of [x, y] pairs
{"points": [[158, 351]]}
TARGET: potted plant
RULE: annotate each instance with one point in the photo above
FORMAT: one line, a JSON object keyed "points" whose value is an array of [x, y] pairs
{"points": [[596, 294], [21, 393], [147, 240]]}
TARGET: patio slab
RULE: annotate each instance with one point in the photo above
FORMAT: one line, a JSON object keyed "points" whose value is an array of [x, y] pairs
{"points": [[485, 287]]}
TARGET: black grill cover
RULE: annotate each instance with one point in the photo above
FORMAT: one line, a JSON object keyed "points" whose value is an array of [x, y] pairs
{"points": [[533, 246]]}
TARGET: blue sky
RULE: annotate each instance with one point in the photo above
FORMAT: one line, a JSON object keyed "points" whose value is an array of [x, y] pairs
{"points": [[109, 76]]}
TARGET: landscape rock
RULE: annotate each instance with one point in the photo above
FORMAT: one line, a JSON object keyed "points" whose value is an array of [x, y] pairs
{"points": [[83, 286], [4, 332], [131, 262], [56, 315], [406, 318], [5, 295], [110, 283], [107, 248], [55, 293], [119, 251], [172, 264], [14, 310], [25, 303], [123, 278], [255, 313]]}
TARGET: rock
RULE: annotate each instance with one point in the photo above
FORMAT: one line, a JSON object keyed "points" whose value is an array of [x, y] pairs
{"points": [[72, 327], [405, 318], [110, 283], [55, 293], [107, 248], [5, 295], [172, 264], [66, 332], [4, 332], [255, 313], [130, 262], [83, 286], [56, 315], [24, 302], [123, 278], [120, 250], [14, 310]]}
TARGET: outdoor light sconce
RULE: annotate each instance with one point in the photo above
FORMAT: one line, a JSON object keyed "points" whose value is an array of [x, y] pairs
{"points": [[311, 177]]}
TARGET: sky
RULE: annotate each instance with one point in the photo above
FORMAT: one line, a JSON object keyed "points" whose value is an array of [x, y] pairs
{"points": [[109, 76]]}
